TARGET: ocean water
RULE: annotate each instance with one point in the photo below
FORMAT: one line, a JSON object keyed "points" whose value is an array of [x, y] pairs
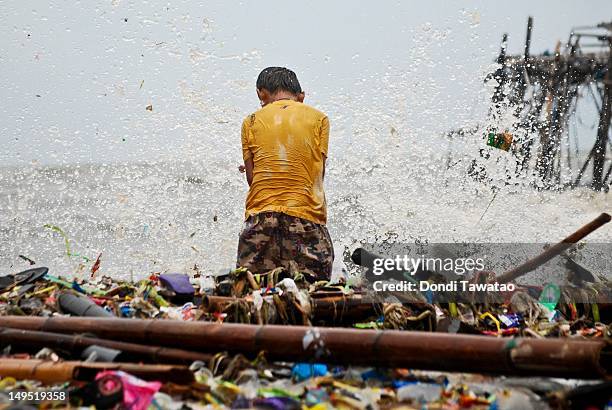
{"points": [[181, 216]]}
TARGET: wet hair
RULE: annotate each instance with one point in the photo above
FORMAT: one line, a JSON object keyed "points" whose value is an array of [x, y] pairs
{"points": [[275, 79]]}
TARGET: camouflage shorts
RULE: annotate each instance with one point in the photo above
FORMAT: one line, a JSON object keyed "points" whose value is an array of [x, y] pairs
{"points": [[273, 239]]}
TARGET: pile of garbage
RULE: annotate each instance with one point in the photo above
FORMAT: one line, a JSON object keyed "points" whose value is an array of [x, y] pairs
{"points": [[92, 366], [281, 297], [280, 340], [258, 384]]}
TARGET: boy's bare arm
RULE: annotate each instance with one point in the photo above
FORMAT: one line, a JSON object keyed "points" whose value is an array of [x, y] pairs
{"points": [[324, 162], [248, 168], [248, 165]]}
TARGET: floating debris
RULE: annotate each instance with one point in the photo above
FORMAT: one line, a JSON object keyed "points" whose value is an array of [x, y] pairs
{"points": [[25, 258]]}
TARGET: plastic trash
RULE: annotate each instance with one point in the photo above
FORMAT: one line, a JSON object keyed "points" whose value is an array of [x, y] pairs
{"points": [[137, 393], [316, 396], [510, 320], [180, 284], [177, 282], [81, 306], [22, 278], [95, 353], [105, 392], [277, 403], [419, 392], [550, 296], [303, 371], [165, 402]]}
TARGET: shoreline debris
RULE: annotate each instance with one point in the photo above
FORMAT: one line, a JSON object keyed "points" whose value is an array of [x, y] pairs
{"points": [[275, 340]]}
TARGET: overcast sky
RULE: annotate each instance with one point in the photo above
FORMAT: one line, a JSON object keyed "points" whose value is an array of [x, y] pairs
{"points": [[76, 76]]}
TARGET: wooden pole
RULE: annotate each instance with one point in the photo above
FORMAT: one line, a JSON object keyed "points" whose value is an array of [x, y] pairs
{"points": [[330, 309], [554, 250], [388, 348], [528, 39], [27, 339], [603, 129], [50, 372]]}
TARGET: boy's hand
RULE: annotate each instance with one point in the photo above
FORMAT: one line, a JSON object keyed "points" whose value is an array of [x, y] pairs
{"points": [[242, 169]]}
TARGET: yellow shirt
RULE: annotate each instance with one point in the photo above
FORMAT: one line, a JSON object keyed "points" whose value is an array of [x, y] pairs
{"points": [[288, 143]]}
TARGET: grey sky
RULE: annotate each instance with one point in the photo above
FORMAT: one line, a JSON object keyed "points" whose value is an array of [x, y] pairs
{"points": [[71, 72]]}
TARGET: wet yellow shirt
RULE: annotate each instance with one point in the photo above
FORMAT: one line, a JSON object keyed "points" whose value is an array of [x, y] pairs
{"points": [[288, 143]]}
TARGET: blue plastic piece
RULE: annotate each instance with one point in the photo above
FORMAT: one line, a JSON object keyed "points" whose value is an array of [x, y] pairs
{"points": [[178, 283], [78, 287], [399, 383], [303, 371], [429, 296], [374, 374]]}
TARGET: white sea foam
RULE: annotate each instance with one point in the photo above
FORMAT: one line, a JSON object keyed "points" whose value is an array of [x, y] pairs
{"points": [[172, 215]]}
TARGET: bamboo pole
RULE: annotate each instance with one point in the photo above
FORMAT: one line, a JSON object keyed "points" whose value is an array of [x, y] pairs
{"points": [[49, 372], [345, 308], [570, 358], [554, 250], [131, 352], [332, 309]]}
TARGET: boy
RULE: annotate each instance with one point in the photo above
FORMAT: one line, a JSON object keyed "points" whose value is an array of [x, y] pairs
{"points": [[284, 147]]}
